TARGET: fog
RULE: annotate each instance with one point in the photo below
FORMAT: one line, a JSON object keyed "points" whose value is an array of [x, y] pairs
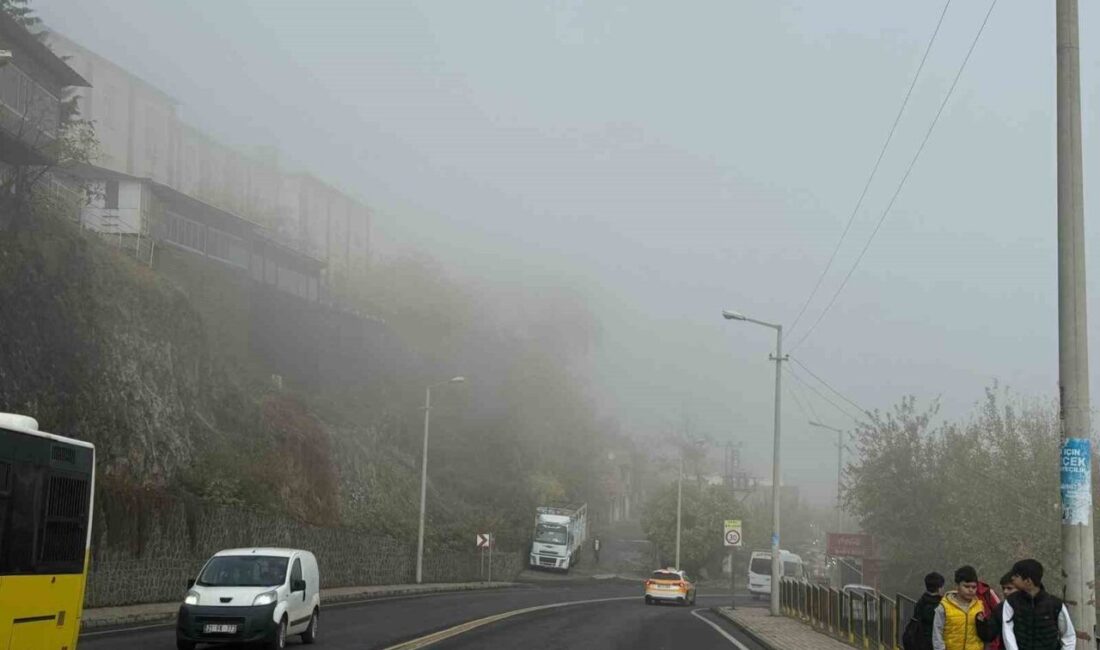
{"points": [[669, 161]]}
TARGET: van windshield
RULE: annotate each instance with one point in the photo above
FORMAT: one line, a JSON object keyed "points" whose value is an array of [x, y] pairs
{"points": [[761, 566], [244, 571]]}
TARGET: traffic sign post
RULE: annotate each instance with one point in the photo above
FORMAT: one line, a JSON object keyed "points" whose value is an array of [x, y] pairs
{"points": [[485, 541], [732, 537], [732, 534]]}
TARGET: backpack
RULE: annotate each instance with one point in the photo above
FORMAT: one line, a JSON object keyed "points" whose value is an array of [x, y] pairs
{"points": [[915, 637]]}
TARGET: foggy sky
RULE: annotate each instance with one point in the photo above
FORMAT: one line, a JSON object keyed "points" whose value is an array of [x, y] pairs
{"points": [[672, 160]]}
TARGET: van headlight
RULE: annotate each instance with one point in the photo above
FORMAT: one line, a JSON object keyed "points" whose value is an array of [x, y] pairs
{"points": [[265, 598], [192, 598]]}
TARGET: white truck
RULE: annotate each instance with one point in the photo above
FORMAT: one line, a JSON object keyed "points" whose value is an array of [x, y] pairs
{"points": [[560, 532]]}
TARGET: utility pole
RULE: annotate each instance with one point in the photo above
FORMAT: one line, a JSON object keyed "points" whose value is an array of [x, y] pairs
{"points": [[1078, 562], [679, 503], [777, 561], [839, 466]]}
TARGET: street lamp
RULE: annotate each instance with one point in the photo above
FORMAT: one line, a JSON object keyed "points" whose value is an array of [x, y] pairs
{"points": [[778, 358], [839, 464], [424, 474]]}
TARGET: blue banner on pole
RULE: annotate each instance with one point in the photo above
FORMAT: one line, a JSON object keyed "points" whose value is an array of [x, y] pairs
{"points": [[1076, 479]]}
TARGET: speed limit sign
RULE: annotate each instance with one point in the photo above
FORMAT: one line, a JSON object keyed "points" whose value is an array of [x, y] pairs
{"points": [[732, 533]]}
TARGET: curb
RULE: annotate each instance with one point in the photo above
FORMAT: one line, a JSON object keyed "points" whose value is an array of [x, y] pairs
{"points": [[756, 638], [166, 614]]}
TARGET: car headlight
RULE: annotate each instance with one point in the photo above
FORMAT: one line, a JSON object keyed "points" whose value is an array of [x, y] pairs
{"points": [[192, 598], [266, 598]]}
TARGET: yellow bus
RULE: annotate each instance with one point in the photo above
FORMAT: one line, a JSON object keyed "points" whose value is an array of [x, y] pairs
{"points": [[46, 487]]}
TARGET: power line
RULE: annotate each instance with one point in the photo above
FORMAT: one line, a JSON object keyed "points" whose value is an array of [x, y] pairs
{"points": [[826, 384], [797, 401], [904, 178], [817, 418], [822, 395], [874, 170]]}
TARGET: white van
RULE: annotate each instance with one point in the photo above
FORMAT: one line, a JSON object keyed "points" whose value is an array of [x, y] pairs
{"points": [[249, 595], [760, 570]]}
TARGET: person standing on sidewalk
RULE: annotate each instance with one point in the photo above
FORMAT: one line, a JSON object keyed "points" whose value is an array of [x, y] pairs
{"points": [[596, 549], [989, 627], [918, 632], [1032, 618], [955, 627]]}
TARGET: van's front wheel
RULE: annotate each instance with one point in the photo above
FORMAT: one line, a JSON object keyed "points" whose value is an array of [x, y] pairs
{"points": [[278, 640], [310, 635]]}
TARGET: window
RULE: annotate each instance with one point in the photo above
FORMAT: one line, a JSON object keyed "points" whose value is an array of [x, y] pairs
{"points": [[110, 195], [228, 248], [64, 531], [184, 232], [244, 571], [761, 566], [296, 571]]}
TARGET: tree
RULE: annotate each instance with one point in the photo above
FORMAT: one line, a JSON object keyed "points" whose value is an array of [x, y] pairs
{"points": [[21, 12], [704, 511], [982, 492]]}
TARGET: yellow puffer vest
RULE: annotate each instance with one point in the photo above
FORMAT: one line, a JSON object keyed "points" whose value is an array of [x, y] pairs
{"points": [[960, 632]]}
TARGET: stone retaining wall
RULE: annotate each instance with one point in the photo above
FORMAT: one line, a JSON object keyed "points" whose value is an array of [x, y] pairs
{"points": [[154, 564]]}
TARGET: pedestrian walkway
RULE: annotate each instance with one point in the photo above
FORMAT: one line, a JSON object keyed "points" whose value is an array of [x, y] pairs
{"points": [[779, 632], [156, 613]]}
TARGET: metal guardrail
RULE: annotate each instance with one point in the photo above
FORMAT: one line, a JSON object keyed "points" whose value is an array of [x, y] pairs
{"points": [[873, 621]]}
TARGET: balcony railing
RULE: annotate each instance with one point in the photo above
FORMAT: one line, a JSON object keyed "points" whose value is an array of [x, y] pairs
{"points": [[34, 109]]}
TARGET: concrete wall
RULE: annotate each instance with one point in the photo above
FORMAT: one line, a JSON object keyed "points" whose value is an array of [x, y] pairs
{"points": [[147, 554]]}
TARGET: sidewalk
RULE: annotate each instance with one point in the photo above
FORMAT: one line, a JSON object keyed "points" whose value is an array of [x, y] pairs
{"points": [[779, 632], [154, 613]]}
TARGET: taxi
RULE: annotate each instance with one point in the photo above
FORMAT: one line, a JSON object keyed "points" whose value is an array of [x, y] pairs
{"points": [[669, 585]]}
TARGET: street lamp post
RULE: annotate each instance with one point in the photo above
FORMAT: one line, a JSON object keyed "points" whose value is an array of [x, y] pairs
{"points": [[839, 464], [424, 474], [778, 358]]}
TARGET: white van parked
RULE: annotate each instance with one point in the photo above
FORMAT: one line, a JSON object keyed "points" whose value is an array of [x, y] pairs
{"points": [[760, 570], [249, 595]]}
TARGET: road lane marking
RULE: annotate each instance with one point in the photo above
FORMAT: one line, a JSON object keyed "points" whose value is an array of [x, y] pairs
{"points": [[462, 628], [120, 630], [717, 628]]}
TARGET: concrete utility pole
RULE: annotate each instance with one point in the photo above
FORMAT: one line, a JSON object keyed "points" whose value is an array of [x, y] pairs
{"points": [[679, 504], [1078, 562], [839, 467], [424, 477], [777, 562]]}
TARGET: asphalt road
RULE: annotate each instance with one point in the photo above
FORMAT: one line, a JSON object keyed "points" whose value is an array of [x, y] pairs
{"points": [[382, 623]]}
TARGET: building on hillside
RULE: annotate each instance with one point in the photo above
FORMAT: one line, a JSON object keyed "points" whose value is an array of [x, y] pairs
{"points": [[141, 214], [33, 84], [142, 135]]}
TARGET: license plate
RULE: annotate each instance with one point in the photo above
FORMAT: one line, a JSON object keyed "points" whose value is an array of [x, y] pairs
{"points": [[216, 628]]}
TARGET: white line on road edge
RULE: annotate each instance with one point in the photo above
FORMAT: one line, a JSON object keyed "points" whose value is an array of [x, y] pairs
{"points": [[120, 630], [737, 644], [462, 628]]}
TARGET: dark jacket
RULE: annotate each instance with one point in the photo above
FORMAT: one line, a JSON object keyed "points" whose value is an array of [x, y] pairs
{"points": [[925, 613], [989, 629], [1035, 620]]}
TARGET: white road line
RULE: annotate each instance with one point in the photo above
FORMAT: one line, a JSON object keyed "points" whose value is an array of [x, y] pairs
{"points": [[436, 637], [120, 630], [737, 644]]}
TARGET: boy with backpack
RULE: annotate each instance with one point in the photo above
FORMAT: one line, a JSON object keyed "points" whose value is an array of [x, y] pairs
{"points": [[918, 632]]}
